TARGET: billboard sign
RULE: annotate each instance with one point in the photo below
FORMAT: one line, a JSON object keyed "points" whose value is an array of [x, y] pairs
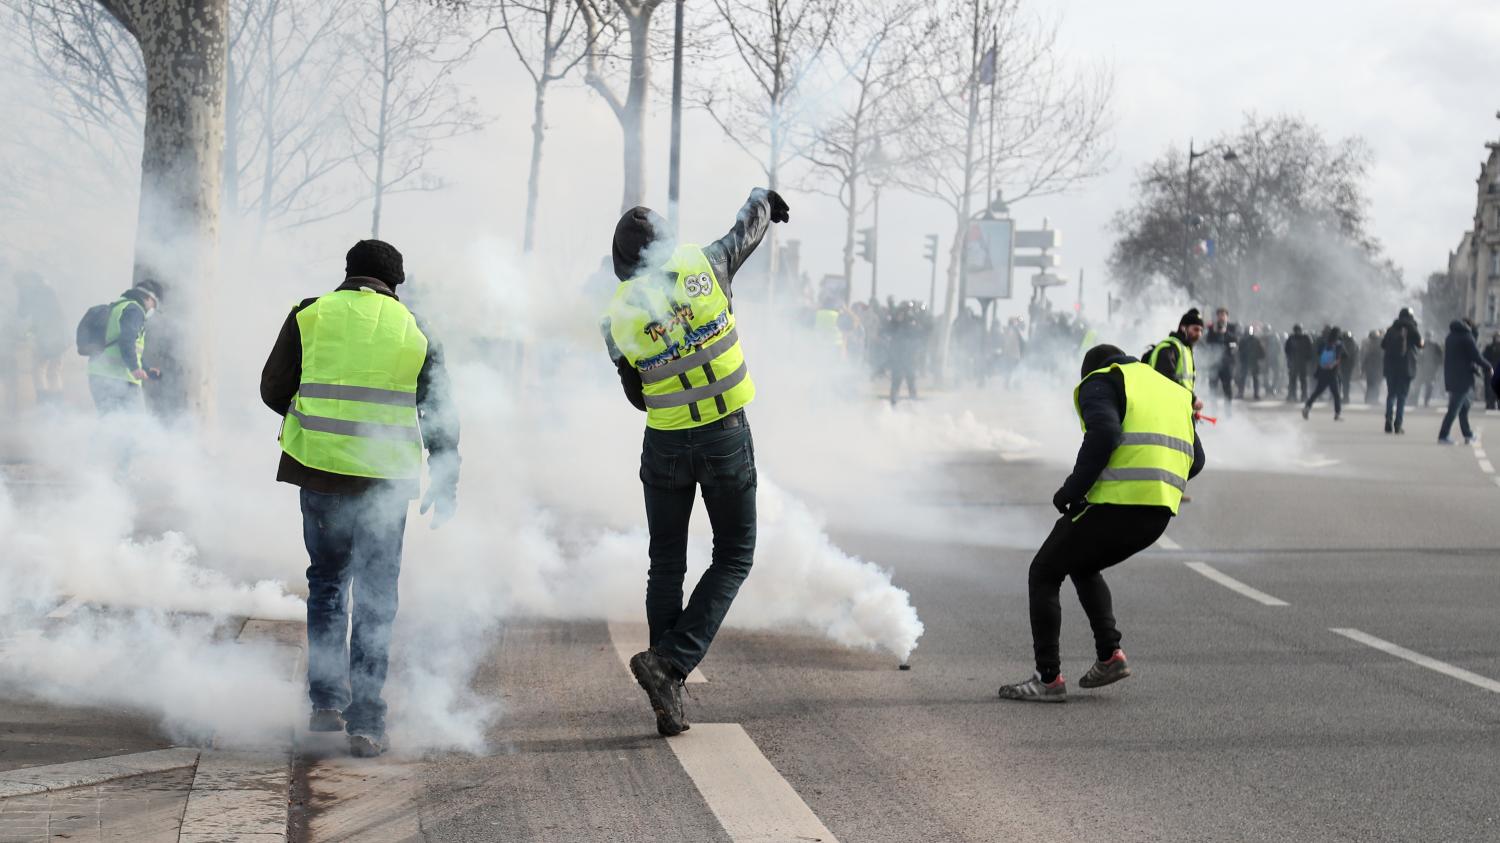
{"points": [[987, 257]]}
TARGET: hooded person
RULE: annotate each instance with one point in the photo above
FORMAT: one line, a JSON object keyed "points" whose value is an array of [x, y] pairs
{"points": [[1330, 362], [1400, 346], [116, 373], [1139, 450], [672, 334], [1462, 359], [362, 387], [1298, 349]]}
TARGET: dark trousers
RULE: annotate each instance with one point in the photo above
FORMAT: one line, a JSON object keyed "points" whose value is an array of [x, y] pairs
{"points": [[1251, 374], [1296, 374], [1372, 389], [1081, 548], [719, 458], [1328, 379], [354, 544], [1224, 379], [905, 370], [1490, 399], [1395, 400], [1458, 405]]}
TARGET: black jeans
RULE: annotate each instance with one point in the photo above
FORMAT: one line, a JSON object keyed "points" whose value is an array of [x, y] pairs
{"points": [[1104, 535], [1328, 379], [720, 458], [1296, 373], [903, 370], [1458, 405], [354, 543], [1395, 400]]}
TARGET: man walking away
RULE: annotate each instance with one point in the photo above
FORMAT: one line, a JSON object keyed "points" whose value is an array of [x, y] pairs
{"points": [[1372, 363], [672, 334], [1330, 362], [363, 388], [1492, 357], [1461, 358], [1139, 451], [1401, 345], [1252, 354], [1428, 370], [1299, 352], [115, 373], [1349, 365]]}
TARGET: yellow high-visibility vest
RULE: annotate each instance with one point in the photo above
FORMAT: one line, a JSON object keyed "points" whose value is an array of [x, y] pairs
{"points": [[1151, 464]]}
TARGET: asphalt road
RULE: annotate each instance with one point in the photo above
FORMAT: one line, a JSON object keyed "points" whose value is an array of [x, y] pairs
{"points": [[1244, 721]]}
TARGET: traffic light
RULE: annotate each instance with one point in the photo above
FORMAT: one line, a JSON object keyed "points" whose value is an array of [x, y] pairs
{"points": [[867, 244], [930, 252], [1254, 288]]}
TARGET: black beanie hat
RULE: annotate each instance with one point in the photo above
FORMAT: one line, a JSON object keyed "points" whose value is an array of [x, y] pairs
{"points": [[1192, 317], [374, 259], [151, 286], [634, 234]]}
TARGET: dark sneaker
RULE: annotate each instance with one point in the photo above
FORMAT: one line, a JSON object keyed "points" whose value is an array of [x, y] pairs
{"points": [[663, 687], [366, 746], [326, 720], [1035, 690], [1306, 410], [1106, 672], [1388, 428], [1443, 440]]}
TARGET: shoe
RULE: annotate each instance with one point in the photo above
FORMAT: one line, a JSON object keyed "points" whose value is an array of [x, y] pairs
{"points": [[1400, 432], [1305, 410], [1443, 440], [1035, 690], [663, 686], [326, 720], [1106, 672], [1470, 440], [1388, 428], [1338, 418], [366, 745]]}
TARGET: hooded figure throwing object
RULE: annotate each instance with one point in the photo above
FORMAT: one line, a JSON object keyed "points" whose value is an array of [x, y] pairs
{"points": [[1139, 450], [671, 332]]}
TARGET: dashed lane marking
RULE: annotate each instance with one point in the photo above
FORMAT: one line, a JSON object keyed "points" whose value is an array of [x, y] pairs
{"points": [[1235, 585], [1318, 463], [631, 638], [1479, 452], [67, 608], [1486, 467], [1167, 544], [1418, 659], [750, 799]]}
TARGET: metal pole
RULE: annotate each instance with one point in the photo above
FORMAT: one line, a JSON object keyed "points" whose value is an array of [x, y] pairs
{"points": [[674, 170], [932, 285], [875, 248], [1187, 226], [989, 180]]}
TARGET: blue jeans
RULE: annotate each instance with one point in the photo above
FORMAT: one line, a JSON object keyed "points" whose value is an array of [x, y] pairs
{"points": [[720, 458], [1395, 400], [1458, 405], [354, 544]]}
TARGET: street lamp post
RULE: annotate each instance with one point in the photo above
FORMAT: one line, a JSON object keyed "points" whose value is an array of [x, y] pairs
{"points": [[1187, 211]]}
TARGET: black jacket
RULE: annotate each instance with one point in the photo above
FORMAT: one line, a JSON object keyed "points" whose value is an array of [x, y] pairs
{"points": [[1461, 358], [1400, 345], [436, 414], [725, 256], [1166, 359], [1101, 403], [1299, 350]]}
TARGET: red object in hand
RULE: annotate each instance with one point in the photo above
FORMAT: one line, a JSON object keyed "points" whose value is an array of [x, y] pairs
{"points": [[1209, 419]]}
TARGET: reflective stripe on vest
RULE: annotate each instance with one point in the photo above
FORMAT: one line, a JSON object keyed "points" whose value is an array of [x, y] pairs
{"points": [[108, 363], [355, 412], [1186, 372], [675, 326], [1151, 463]]}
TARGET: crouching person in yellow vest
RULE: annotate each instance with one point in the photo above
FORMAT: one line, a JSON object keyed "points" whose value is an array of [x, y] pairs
{"points": [[1139, 450], [671, 332], [115, 373], [363, 390]]}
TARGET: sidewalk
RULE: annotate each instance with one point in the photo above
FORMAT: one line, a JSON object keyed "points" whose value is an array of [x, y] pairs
{"points": [[101, 774]]}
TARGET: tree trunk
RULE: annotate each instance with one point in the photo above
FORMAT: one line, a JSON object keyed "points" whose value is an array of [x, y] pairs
{"points": [[381, 128], [633, 115], [184, 48], [533, 179]]}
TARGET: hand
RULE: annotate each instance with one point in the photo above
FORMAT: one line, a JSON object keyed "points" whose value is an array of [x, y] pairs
{"points": [[445, 499], [140, 375], [780, 212], [1060, 501], [154, 374], [1197, 405]]}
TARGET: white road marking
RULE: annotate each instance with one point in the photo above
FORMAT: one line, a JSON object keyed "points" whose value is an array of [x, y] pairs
{"points": [[67, 608], [1479, 452], [1486, 467], [631, 638], [1167, 544], [1417, 658], [751, 800], [1319, 463], [1235, 585], [28, 780]]}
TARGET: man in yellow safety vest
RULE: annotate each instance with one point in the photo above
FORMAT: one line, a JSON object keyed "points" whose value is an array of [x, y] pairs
{"points": [[672, 334], [1173, 356], [1139, 450], [363, 390]]}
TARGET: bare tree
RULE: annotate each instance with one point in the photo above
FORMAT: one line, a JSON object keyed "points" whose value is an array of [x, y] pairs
{"points": [[875, 50], [608, 23], [550, 41], [407, 100], [1047, 124]]}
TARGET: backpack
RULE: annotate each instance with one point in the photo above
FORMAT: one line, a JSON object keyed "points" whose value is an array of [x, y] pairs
{"points": [[92, 329], [1328, 358]]}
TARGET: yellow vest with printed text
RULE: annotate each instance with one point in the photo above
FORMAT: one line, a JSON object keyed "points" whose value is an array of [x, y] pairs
{"points": [[1151, 464], [676, 328]]}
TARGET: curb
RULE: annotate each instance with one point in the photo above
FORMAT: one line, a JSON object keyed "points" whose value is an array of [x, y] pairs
{"points": [[28, 781]]}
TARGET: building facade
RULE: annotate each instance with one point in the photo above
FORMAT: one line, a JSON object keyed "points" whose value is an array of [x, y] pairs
{"points": [[1475, 266]]}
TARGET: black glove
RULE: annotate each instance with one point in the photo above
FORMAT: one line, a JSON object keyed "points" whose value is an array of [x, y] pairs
{"points": [[779, 210]]}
